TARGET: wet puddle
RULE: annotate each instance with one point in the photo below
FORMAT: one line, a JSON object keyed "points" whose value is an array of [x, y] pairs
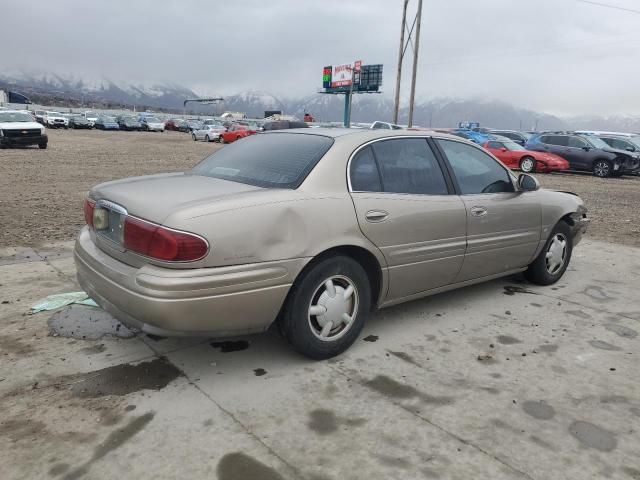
{"points": [[86, 323]]}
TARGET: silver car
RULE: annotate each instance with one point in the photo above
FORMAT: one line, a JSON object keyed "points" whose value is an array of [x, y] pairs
{"points": [[208, 133], [313, 229]]}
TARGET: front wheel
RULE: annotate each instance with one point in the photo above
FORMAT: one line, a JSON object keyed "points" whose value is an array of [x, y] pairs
{"points": [[550, 265], [602, 168], [206, 138], [528, 165], [42, 146], [327, 307]]}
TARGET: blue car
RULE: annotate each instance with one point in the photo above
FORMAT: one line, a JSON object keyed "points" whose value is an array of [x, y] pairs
{"points": [[476, 137], [104, 122]]}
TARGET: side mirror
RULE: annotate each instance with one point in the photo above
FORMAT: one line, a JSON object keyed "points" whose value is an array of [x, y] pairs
{"points": [[528, 183], [630, 149], [503, 149], [586, 149]]}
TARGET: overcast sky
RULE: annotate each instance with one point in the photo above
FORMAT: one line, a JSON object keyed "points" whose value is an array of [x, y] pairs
{"points": [[558, 56]]}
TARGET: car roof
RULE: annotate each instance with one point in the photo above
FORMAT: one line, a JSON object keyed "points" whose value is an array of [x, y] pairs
{"points": [[364, 135]]}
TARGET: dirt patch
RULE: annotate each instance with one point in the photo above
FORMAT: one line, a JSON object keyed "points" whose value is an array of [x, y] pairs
{"points": [[34, 183], [86, 323]]}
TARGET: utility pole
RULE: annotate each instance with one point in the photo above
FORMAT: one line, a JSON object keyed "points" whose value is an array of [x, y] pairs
{"points": [[415, 64], [396, 106]]}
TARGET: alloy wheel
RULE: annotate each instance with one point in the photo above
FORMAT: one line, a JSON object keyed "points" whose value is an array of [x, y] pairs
{"points": [[526, 165], [601, 169]]}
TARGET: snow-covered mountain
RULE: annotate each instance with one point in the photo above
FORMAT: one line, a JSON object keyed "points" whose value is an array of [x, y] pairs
{"points": [[53, 89]]}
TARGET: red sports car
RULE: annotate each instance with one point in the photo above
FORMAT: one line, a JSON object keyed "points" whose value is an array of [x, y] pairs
{"points": [[515, 156], [236, 132]]}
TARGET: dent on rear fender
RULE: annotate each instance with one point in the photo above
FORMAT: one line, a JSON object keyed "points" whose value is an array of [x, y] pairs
{"points": [[289, 234]]}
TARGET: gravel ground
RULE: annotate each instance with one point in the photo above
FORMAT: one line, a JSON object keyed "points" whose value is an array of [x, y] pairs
{"points": [[41, 191]]}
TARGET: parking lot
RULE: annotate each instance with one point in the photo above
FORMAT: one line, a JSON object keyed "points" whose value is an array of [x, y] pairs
{"points": [[501, 380]]}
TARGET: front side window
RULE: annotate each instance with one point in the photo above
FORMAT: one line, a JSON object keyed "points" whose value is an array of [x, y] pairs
{"points": [[495, 145], [270, 160], [476, 171], [407, 165]]}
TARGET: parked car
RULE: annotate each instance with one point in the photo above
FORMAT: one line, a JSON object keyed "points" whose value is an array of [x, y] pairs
{"points": [[626, 142], [208, 133], [269, 230], [377, 125], [515, 156], [77, 121], [55, 120], [174, 124], [18, 127], [39, 114], [129, 124], [91, 117], [475, 137], [105, 122], [236, 132], [518, 137], [586, 153], [283, 125], [194, 125], [151, 124]]}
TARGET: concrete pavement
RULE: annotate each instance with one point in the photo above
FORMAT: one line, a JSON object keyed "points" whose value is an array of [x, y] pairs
{"points": [[501, 380]]}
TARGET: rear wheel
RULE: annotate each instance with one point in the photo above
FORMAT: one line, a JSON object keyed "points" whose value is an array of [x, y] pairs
{"points": [[327, 307], [602, 168], [42, 146], [550, 265], [527, 165]]}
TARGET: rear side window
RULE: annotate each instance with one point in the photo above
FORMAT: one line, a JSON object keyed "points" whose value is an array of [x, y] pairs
{"points": [[559, 140], [407, 165], [475, 170], [577, 142], [364, 172], [269, 160]]}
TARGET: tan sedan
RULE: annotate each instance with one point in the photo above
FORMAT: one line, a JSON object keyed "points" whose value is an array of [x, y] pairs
{"points": [[313, 229]]}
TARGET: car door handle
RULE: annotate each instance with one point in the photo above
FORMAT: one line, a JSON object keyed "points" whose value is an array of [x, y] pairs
{"points": [[376, 216], [478, 211]]}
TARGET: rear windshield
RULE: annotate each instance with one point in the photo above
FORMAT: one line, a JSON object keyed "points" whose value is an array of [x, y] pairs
{"points": [[270, 160]]}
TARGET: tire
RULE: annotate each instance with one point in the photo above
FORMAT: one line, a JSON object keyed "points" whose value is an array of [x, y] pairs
{"points": [[315, 335], [42, 146], [528, 164], [193, 135], [602, 168], [221, 139], [559, 247], [206, 138]]}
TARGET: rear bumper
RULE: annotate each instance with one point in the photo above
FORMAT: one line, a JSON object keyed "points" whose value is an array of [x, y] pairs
{"points": [[37, 140], [217, 302]]}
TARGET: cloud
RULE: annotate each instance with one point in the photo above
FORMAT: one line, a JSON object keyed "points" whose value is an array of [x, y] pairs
{"points": [[560, 56]]}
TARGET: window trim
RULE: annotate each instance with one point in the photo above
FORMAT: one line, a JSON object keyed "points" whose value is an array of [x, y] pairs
{"points": [[510, 174], [451, 188]]}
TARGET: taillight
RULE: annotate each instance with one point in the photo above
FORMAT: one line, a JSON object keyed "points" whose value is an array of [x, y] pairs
{"points": [[158, 242], [89, 205]]}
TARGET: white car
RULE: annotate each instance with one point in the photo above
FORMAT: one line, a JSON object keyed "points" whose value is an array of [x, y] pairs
{"points": [[55, 120], [377, 125], [91, 118], [208, 133], [152, 124], [17, 127]]}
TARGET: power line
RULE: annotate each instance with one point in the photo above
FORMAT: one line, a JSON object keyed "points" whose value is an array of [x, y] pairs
{"points": [[606, 5]]}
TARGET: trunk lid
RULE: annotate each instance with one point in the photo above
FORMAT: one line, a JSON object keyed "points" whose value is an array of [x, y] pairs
{"points": [[155, 197]]}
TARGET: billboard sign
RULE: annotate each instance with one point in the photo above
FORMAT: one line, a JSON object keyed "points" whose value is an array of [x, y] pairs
{"points": [[341, 75]]}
